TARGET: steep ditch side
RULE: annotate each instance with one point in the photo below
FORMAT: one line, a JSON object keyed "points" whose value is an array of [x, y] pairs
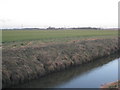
{"points": [[24, 64]]}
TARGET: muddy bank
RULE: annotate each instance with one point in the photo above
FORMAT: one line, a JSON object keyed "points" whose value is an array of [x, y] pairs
{"points": [[111, 85], [23, 64]]}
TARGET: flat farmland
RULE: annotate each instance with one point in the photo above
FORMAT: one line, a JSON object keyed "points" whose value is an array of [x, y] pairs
{"points": [[54, 35]]}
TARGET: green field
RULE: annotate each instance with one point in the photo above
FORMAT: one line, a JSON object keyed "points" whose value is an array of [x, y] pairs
{"points": [[44, 35]]}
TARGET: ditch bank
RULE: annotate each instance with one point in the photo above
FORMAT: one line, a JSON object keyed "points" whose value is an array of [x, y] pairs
{"points": [[21, 65], [112, 85]]}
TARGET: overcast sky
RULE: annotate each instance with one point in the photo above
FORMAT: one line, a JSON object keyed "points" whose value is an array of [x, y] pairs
{"points": [[58, 13]]}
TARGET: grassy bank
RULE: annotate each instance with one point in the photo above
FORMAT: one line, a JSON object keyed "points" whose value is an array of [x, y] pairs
{"points": [[26, 63], [54, 79]]}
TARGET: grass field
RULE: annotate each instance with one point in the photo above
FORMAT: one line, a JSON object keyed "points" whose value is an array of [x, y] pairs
{"points": [[27, 35]]}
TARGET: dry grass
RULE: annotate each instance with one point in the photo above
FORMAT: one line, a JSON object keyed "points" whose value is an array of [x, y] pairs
{"points": [[23, 64]]}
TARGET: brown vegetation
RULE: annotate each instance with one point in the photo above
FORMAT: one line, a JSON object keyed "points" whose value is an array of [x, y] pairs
{"points": [[112, 85], [23, 64]]}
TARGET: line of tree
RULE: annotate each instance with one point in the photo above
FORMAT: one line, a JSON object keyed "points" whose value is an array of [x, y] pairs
{"points": [[54, 28]]}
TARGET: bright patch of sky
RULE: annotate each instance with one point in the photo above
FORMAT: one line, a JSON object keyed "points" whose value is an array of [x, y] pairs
{"points": [[58, 13]]}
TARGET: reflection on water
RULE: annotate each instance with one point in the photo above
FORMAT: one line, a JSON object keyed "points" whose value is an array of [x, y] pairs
{"points": [[90, 75]]}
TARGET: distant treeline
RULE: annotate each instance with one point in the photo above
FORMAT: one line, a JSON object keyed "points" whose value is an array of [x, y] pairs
{"points": [[54, 28]]}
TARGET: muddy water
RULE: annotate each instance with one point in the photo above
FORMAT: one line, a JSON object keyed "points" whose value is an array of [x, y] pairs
{"points": [[91, 75]]}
